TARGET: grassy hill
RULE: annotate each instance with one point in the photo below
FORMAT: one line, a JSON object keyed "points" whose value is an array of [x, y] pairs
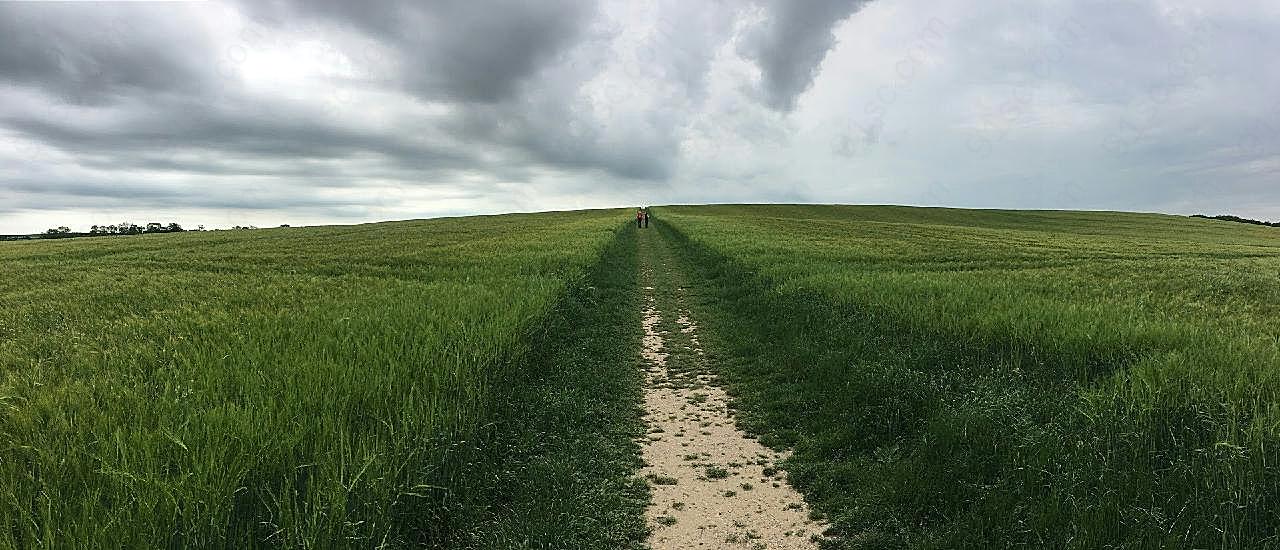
{"points": [[960, 377], [947, 378], [320, 387]]}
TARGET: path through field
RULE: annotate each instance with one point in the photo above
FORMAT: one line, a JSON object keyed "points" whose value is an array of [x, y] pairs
{"points": [[713, 486]]}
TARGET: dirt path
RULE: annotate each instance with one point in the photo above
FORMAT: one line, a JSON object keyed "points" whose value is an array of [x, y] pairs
{"points": [[713, 487]]}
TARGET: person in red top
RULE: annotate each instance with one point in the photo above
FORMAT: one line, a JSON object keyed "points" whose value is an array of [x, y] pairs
{"points": [[640, 217]]}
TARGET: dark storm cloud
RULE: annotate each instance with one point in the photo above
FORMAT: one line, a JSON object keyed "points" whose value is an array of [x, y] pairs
{"points": [[791, 42], [479, 58], [491, 61], [165, 97], [28, 194], [92, 53], [262, 131], [553, 132], [456, 49]]}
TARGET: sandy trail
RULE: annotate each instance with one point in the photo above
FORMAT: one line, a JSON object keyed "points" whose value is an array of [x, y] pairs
{"points": [[712, 486]]}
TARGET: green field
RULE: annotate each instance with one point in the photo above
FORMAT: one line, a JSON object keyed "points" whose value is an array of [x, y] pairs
{"points": [[947, 378], [321, 387], [971, 378]]}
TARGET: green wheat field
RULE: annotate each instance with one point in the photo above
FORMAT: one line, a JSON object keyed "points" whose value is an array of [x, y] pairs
{"points": [[946, 378]]}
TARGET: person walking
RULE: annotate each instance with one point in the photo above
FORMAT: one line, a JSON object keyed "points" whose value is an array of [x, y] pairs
{"points": [[646, 217], [640, 218]]}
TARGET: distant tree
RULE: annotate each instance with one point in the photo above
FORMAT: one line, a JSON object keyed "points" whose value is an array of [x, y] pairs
{"points": [[60, 230], [284, 225], [200, 227], [173, 227], [154, 227], [95, 230]]}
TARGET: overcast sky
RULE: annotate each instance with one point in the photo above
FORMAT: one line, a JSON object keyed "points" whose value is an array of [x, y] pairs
{"points": [[335, 111]]}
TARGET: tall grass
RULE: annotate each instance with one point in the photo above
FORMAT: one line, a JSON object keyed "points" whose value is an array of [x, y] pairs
{"points": [[974, 378], [317, 387]]}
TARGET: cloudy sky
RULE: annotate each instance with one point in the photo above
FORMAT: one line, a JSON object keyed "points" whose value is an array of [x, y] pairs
{"points": [[333, 111]]}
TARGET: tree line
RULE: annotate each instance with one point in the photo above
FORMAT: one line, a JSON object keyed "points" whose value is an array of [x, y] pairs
{"points": [[1238, 219], [122, 228]]}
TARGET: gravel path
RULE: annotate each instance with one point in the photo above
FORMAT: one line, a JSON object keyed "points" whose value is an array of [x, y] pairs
{"points": [[713, 486]]}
